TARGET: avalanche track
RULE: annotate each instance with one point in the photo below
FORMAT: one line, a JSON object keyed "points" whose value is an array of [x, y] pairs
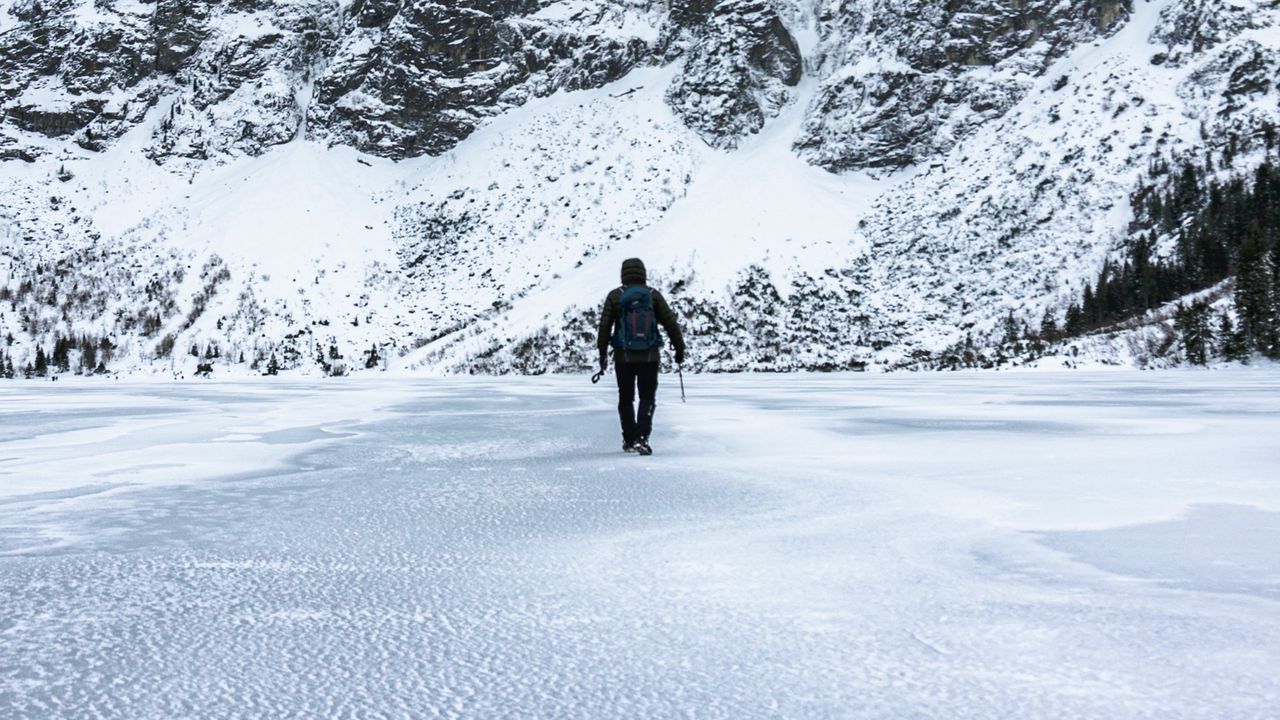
{"points": [[994, 546]]}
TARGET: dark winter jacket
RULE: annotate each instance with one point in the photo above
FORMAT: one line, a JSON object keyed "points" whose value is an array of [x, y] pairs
{"points": [[633, 273]]}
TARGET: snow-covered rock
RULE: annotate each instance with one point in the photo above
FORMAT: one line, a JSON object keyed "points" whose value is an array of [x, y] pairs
{"points": [[417, 77], [904, 81], [738, 73]]}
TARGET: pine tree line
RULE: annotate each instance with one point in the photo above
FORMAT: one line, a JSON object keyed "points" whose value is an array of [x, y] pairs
{"points": [[93, 355], [7, 371], [1223, 230]]}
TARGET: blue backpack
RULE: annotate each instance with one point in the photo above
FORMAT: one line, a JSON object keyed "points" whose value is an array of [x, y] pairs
{"points": [[638, 325]]}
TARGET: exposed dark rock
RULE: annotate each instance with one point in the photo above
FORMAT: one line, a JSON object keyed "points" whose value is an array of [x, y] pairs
{"points": [[9, 150], [58, 74], [179, 27], [737, 72], [105, 58], [687, 13], [889, 120], [54, 122], [396, 78], [900, 87], [374, 13], [1188, 27], [429, 73]]}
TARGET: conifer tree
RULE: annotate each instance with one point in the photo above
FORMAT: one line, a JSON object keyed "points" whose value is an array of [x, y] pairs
{"points": [[1197, 335], [1075, 320], [1102, 297], [1275, 273], [88, 354], [1255, 293], [61, 354], [1222, 230], [42, 363], [1049, 325], [1232, 345], [1011, 334]]}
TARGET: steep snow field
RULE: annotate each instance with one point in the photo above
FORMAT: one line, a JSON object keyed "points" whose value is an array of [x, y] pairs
{"points": [[963, 546]]}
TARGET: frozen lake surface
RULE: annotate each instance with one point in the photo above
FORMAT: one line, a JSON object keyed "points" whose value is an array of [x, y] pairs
{"points": [[1092, 545]]}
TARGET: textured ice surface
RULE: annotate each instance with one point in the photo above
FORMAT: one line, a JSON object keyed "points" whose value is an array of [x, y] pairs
{"points": [[960, 546]]}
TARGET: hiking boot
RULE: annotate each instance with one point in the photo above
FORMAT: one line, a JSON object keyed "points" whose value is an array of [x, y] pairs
{"points": [[642, 446], [628, 447]]}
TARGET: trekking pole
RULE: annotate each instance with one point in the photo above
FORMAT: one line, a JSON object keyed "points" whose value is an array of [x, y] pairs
{"points": [[680, 372]]}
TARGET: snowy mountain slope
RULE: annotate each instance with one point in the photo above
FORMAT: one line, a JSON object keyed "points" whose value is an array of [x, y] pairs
{"points": [[1040, 197], [538, 192], [733, 234], [451, 66], [224, 199], [1014, 219], [904, 81], [1058, 165], [395, 79]]}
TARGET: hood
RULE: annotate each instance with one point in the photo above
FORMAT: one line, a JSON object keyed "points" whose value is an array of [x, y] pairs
{"points": [[633, 272]]}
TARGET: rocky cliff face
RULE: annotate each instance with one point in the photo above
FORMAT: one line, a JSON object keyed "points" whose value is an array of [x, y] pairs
{"points": [[226, 76], [740, 67], [394, 79], [900, 82], [415, 77], [903, 81]]}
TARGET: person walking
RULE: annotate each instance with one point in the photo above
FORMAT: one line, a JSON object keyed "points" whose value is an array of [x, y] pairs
{"points": [[629, 324]]}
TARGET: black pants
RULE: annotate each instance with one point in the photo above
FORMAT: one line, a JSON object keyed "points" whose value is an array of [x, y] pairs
{"points": [[636, 425]]}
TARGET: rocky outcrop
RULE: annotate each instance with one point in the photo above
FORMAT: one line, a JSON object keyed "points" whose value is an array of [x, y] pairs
{"points": [[894, 119], [737, 72], [10, 150], [416, 77], [1234, 95], [180, 27], [243, 89], [903, 81], [400, 78], [55, 121], [1189, 27], [396, 78], [59, 73]]}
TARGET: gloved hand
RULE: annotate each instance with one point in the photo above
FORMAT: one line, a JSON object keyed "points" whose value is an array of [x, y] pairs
{"points": [[679, 356], [604, 361]]}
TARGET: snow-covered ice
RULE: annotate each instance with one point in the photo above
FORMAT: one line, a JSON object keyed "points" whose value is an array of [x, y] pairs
{"points": [[1005, 545]]}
